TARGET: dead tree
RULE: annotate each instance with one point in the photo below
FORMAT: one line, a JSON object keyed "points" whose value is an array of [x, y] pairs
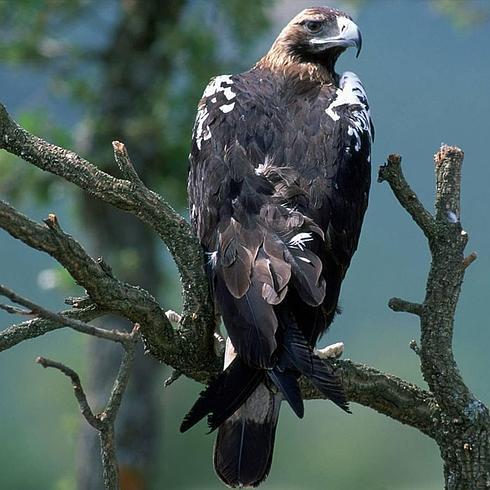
{"points": [[448, 412]]}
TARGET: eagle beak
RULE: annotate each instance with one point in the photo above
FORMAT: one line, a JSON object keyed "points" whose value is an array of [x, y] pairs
{"points": [[349, 36]]}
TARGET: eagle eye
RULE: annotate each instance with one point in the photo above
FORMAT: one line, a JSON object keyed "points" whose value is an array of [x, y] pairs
{"points": [[313, 26]]}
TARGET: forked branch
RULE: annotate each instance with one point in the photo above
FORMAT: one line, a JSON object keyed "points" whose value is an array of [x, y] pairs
{"points": [[461, 423], [131, 196], [174, 347]]}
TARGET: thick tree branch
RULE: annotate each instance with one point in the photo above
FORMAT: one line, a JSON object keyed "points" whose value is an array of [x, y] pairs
{"points": [[384, 393], [443, 288], [462, 425], [448, 163]]}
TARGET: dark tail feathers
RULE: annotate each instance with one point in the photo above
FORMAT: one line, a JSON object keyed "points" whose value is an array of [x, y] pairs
{"points": [[246, 410], [222, 398], [245, 442]]}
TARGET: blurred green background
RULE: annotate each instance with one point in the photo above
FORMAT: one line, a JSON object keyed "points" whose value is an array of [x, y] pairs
{"points": [[425, 65]]}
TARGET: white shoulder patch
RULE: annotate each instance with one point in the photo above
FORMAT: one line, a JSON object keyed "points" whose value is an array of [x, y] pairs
{"points": [[215, 86], [351, 92], [222, 84]]}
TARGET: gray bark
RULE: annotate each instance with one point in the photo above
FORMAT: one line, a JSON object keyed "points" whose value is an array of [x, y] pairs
{"points": [[460, 422]]}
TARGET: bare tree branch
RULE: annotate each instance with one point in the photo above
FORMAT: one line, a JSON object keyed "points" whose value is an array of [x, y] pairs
{"points": [[461, 416], [117, 392], [174, 376], [176, 233], [76, 324], [103, 422], [15, 310], [36, 327], [448, 162], [447, 241], [392, 173], [414, 346], [469, 259], [125, 164], [385, 393], [398, 304], [77, 389], [174, 347], [443, 287]]}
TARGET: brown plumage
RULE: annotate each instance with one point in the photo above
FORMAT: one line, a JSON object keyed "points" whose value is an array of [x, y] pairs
{"points": [[278, 186]]}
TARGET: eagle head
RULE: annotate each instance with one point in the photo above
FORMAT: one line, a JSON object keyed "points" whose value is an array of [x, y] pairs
{"points": [[316, 35]]}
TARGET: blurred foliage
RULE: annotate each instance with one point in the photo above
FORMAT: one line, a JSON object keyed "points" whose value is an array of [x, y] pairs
{"points": [[211, 37], [26, 28], [58, 277]]}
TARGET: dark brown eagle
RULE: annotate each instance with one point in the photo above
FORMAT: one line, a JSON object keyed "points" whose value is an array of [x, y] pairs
{"points": [[278, 186]]}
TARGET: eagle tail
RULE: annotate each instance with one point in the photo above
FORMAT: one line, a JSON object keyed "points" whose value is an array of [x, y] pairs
{"points": [[224, 395], [245, 442]]}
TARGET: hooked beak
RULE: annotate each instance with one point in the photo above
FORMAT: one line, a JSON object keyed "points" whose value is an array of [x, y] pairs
{"points": [[349, 36]]}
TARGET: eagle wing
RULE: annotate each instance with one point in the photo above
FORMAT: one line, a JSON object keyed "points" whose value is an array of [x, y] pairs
{"points": [[278, 188]]}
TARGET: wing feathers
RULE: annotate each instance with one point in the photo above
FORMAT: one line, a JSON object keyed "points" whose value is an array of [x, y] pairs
{"points": [[319, 372], [306, 270], [251, 323]]}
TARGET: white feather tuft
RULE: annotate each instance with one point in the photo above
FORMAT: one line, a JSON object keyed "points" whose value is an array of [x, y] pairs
{"points": [[300, 240], [212, 258]]}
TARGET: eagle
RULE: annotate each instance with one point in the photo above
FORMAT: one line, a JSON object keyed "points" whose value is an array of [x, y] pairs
{"points": [[278, 186]]}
